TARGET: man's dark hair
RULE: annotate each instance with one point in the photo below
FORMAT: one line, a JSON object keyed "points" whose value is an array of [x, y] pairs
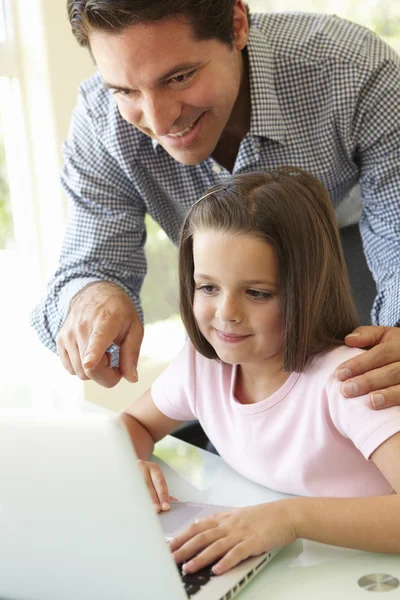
{"points": [[291, 210], [210, 19]]}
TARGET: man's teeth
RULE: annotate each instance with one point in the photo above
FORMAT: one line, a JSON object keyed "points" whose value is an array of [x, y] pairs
{"points": [[183, 132]]}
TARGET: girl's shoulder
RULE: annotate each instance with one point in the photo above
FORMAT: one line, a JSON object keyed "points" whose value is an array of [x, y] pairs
{"points": [[327, 362], [319, 378]]}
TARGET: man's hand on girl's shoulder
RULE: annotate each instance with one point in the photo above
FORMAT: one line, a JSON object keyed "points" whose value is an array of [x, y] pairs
{"points": [[375, 372]]}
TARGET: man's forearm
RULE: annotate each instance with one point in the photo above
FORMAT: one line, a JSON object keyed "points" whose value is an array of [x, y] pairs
{"points": [[141, 438]]}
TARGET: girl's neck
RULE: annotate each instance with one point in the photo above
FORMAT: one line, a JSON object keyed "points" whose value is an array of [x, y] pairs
{"points": [[257, 382]]}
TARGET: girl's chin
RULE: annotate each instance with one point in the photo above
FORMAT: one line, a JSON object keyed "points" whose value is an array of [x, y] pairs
{"points": [[230, 357]]}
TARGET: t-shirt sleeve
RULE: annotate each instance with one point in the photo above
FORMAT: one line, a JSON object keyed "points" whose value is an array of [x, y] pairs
{"points": [[174, 391], [365, 427]]}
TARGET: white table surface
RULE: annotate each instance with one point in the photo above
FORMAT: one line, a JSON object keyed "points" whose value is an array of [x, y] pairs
{"points": [[302, 570]]}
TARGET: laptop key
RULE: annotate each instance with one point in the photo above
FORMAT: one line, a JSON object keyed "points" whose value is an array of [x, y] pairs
{"points": [[193, 582], [192, 589], [199, 579]]}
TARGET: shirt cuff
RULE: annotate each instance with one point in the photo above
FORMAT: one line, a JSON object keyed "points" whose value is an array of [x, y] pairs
{"points": [[385, 432], [68, 292]]}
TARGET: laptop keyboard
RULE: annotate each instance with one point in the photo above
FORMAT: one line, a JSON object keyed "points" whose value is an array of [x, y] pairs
{"points": [[193, 582]]}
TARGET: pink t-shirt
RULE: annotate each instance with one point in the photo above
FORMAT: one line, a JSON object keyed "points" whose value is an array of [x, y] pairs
{"points": [[306, 439]]}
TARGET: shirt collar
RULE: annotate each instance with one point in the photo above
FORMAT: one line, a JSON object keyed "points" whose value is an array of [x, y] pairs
{"points": [[266, 118]]}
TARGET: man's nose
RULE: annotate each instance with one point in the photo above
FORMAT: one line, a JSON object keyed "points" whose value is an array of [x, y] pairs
{"points": [[228, 310], [160, 112]]}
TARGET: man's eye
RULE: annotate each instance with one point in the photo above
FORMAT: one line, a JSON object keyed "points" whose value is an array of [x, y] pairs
{"points": [[121, 92], [258, 295], [182, 78]]}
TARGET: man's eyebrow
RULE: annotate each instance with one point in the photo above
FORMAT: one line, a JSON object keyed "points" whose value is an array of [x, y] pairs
{"points": [[111, 86], [182, 67], [186, 66]]}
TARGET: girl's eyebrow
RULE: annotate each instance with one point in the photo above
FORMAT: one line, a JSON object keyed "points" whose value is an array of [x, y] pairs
{"points": [[246, 281], [260, 281]]}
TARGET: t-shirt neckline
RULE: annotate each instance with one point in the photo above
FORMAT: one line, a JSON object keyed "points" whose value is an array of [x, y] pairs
{"points": [[265, 404]]}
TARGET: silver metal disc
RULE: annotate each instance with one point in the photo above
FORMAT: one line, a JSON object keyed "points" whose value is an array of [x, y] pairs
{"points": [[378, 582]]}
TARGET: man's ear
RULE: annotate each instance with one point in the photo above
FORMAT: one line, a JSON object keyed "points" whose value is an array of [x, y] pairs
{"points": [[240, 25]]}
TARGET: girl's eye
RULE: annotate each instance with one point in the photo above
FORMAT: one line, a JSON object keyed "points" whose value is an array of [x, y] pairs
{"points": [[182, 78], [258, 295], [207, 289]]}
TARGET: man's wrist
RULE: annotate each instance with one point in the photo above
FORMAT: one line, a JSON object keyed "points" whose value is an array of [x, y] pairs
{"points": [[98, 282], [70, 290]]}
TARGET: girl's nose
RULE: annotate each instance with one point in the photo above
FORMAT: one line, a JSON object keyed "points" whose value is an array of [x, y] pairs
{"points": [[229, 311]]}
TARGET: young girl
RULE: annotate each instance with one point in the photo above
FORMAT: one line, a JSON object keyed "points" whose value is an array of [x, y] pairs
{"points": [[266, 303]]}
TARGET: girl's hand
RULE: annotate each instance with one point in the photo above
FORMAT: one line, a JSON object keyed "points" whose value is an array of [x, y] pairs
{"points": [[233, 536], [156, 485]]}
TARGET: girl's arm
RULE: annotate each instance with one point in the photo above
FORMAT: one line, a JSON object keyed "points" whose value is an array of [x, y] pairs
{"points": [[146, 424], [370, 523]]}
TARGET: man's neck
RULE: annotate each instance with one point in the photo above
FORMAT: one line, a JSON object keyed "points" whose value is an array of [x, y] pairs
{"points": [[226, 151], [227, 148]]}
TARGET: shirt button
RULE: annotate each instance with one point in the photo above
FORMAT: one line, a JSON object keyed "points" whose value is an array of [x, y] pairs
{"points": [[216, 168]]}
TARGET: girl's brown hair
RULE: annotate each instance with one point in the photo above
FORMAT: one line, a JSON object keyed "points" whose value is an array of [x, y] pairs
{"points": [[291, 210]]}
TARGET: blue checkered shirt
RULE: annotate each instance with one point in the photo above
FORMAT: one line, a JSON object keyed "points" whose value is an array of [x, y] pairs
{"points": [[325, 96]]}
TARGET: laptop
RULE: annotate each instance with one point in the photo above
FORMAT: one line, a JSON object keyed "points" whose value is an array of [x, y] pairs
{"points": [[77, 522]]}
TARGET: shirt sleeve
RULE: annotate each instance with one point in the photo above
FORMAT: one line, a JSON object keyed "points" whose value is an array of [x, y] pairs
{"points": [[174, 391], [105, 234], [377, 149], [366, 428]]}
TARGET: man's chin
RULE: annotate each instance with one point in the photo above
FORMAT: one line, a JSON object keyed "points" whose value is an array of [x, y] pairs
{"points": [[188, 158]]}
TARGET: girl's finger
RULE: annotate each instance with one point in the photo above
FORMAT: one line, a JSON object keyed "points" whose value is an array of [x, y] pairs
{"points": [[210, 554], [232, 558], [191, 531], [198, 544], [161, 488], [149, 483], [222, 515]]}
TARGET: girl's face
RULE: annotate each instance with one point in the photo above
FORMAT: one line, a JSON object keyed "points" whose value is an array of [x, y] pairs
{"points": [[236, 302]]}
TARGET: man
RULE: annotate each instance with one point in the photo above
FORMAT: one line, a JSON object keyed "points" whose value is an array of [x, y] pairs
{"points": [[187, 93]]}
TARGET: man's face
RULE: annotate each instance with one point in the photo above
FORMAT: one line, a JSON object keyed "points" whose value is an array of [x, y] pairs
{"points": [[174, 89]]}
